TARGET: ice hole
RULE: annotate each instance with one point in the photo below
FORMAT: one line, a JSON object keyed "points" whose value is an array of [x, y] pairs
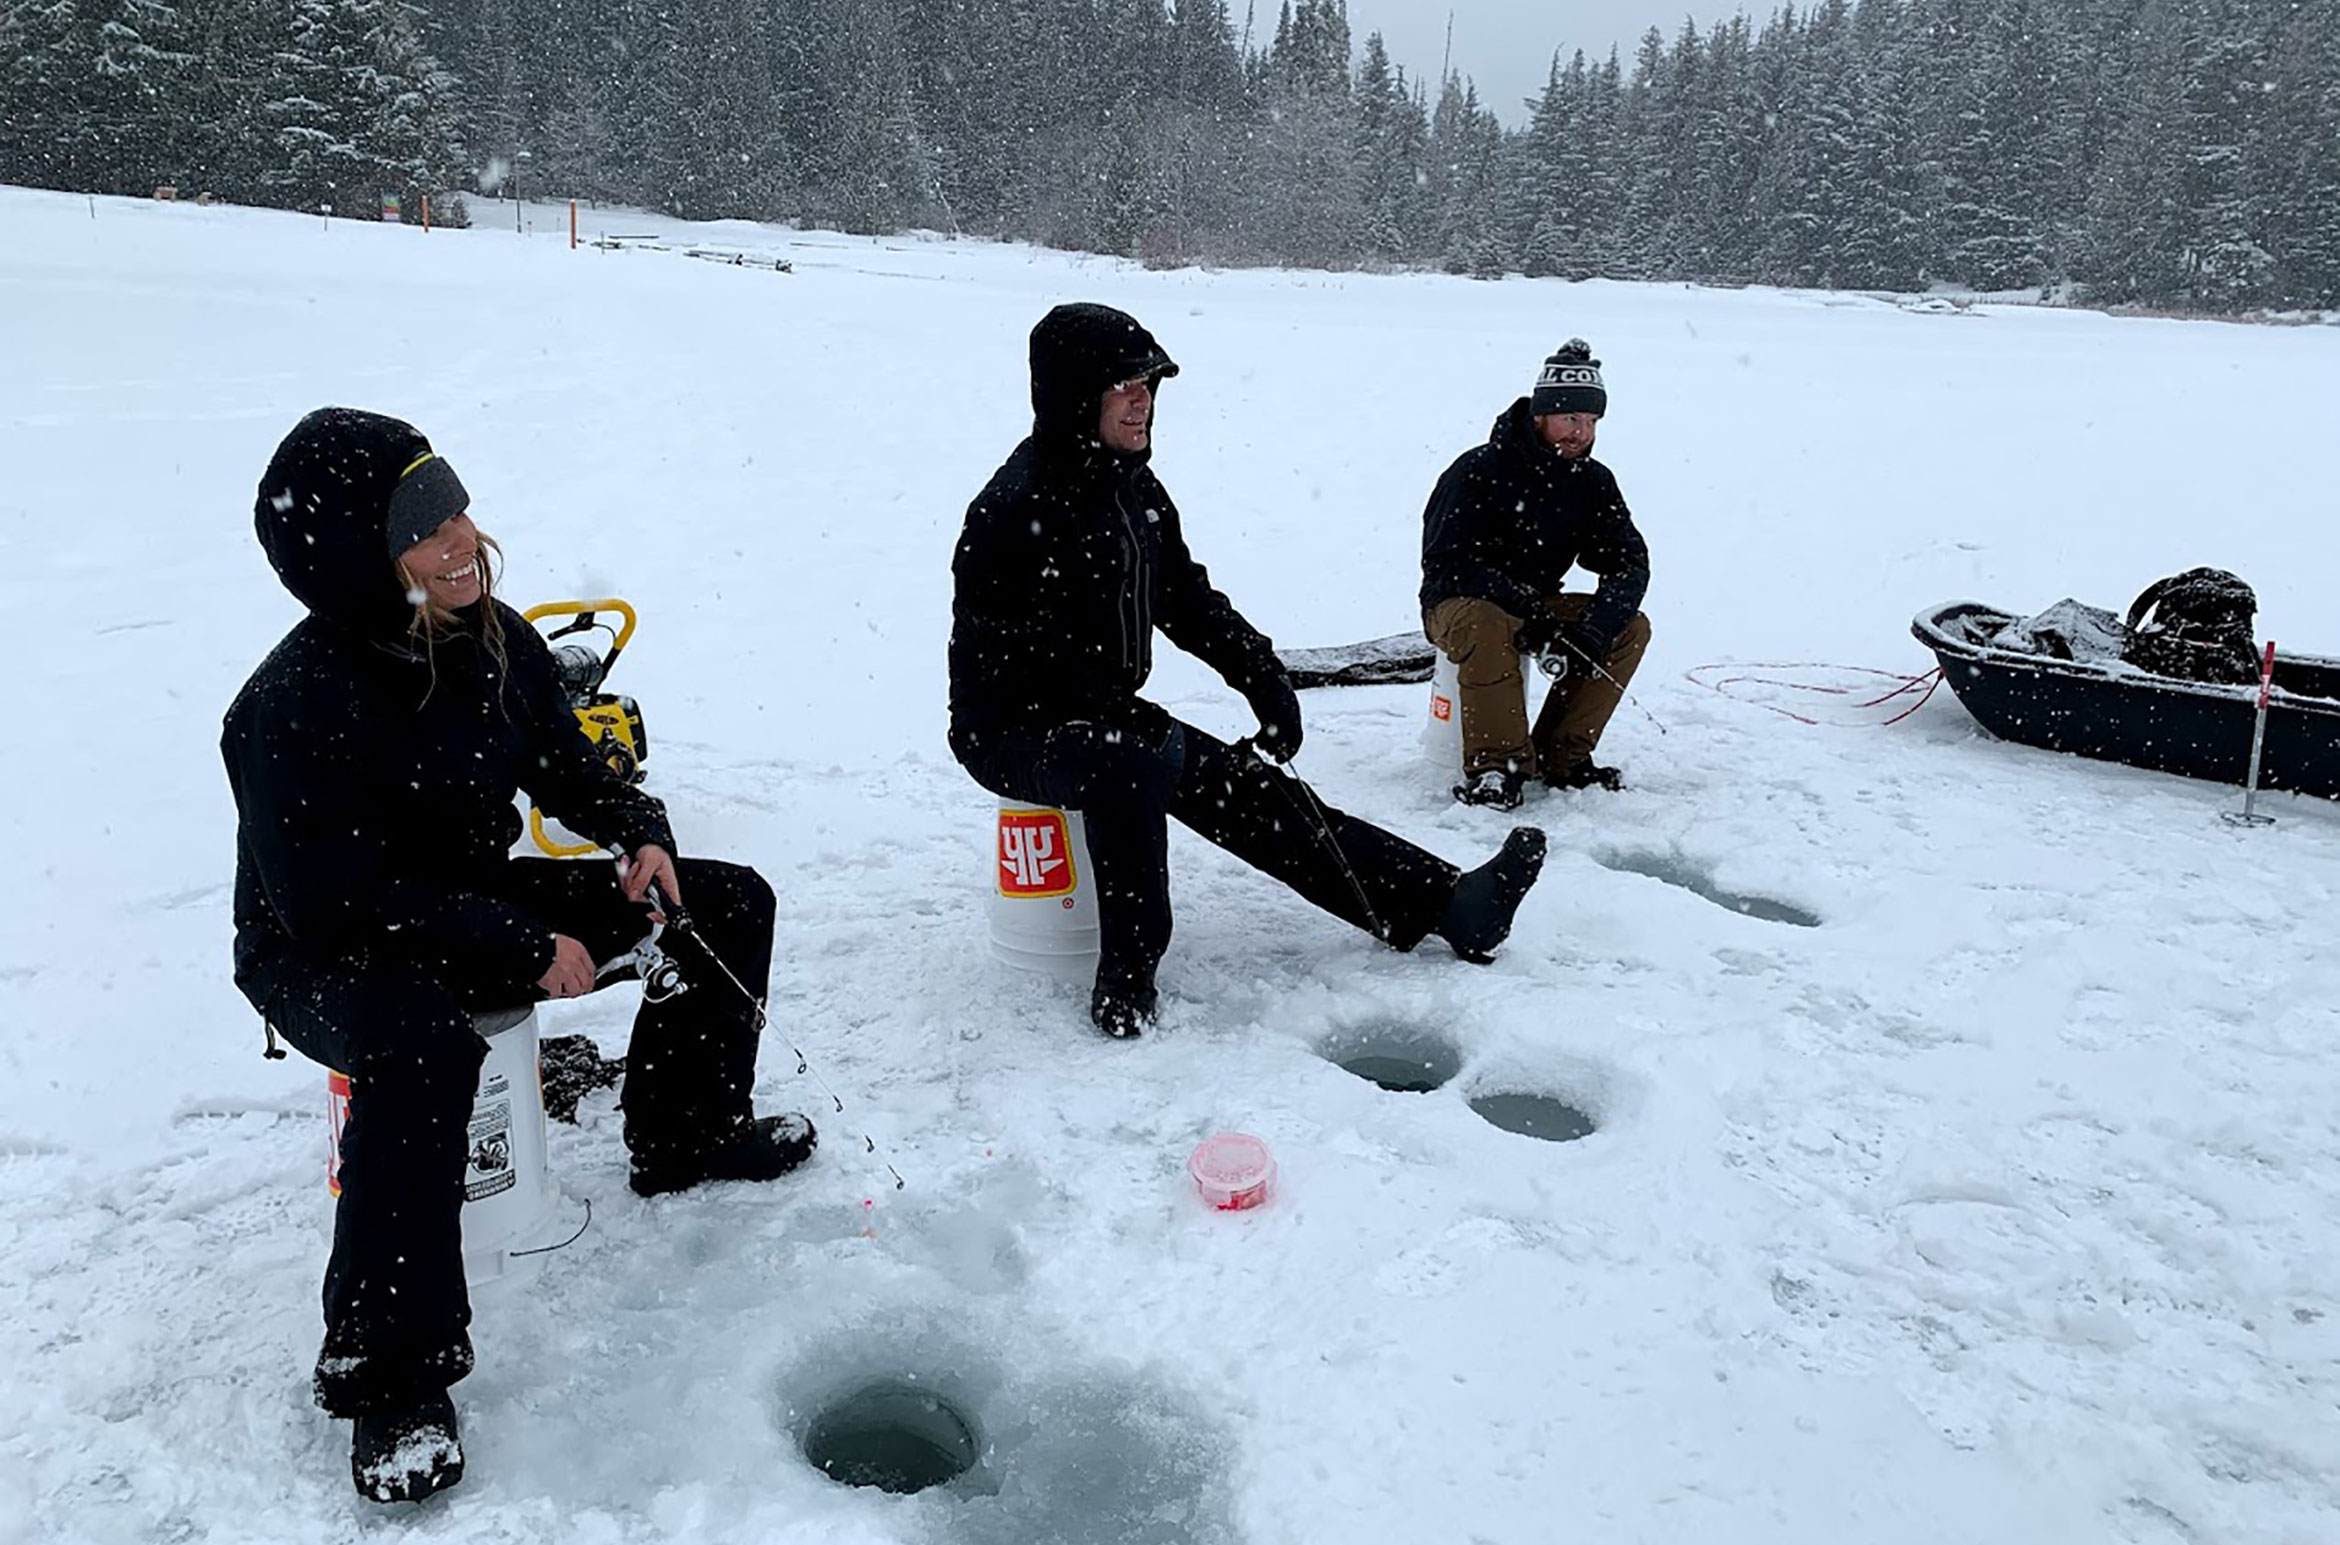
{"points": [[894, 1436], [1402, 1058], [1677, 871], [1535, 1115], [1766, 910]]}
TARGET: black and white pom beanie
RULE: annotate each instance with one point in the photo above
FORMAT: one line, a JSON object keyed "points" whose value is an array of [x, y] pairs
{"points": [[1570, 382]]}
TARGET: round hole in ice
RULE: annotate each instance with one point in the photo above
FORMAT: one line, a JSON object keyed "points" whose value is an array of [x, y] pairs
{"points": [[892, 1435], [1534, 1115], [1402, 1058]]}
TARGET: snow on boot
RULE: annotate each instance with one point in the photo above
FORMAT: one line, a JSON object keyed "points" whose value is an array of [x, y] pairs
{"points": [[1123, 1013], [406, 1454], [1587, 774], [767, 1148], [1497, 788], [1478, 916]]}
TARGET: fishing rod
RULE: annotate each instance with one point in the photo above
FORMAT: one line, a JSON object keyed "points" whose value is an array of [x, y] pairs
{"points": [[1555, 665], [1323, 824], [667, 977]]}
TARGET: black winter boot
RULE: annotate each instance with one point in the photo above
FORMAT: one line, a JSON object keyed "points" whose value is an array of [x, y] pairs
{"points": [[404, 1455], [1478, 917], [1587, 774], [1498, 788], [1123, 1012], [768, 1148]]}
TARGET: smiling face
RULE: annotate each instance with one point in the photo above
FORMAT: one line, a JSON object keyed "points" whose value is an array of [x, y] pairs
{"points": [[445, 569], [1126, 422], [1571, 434]]}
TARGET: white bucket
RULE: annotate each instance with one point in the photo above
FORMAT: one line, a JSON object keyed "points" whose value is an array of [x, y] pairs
{"points": [[511, 1205], [1442, 729], [1442, 740], [1043, 898]]}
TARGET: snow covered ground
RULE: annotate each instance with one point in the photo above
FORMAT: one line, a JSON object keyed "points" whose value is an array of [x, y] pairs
{"points": [[2002, 1205]]}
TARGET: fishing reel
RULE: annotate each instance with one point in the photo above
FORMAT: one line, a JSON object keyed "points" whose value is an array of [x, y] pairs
{"points": [[612, 721]]}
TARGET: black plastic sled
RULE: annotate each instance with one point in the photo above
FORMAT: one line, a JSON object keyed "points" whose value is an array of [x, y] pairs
{"points": [[2057, 681]]}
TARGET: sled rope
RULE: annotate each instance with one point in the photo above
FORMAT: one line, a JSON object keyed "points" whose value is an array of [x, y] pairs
{"points": [[1903, 685]]}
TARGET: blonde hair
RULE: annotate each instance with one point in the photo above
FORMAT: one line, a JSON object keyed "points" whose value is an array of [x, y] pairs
{"points": [[432, 620]]}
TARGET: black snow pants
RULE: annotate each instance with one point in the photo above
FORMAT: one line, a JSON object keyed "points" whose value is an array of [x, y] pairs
{"points": [[1128, 774], [396, 1309]]}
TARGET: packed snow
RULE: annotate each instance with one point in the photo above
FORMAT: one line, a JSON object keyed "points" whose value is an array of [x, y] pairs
{"points": [[1999, 1205]]}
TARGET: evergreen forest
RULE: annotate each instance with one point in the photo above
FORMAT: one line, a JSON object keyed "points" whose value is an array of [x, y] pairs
{"points": [[2180, 154]]}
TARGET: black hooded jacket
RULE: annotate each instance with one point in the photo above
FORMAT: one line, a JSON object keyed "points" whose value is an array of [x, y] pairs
{"points": [[375, 776], [1510, 518], [1072, 555]]}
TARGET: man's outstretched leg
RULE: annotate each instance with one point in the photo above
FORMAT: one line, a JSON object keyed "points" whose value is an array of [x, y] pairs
{"points": [[1351, 868]]}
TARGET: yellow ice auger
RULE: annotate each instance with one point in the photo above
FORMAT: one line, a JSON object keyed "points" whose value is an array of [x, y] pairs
{"points": [[611, 721]]}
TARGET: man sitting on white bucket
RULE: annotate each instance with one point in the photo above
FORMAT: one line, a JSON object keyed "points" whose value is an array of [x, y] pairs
{"points": [[1070, 559], [374, 757], [1505, 524]]}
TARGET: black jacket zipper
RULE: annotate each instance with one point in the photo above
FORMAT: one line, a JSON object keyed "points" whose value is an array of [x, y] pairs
{"points": [[1136, 623]]}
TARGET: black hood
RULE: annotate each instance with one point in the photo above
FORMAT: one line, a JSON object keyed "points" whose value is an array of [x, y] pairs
{"points": [[1515, 429], [323, 515], [1079, 353]]}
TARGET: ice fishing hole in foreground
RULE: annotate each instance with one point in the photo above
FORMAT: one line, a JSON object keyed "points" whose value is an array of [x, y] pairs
{"points": [[1402, 1058], [1542, 1116], [1677, 871], [893, 1435]]}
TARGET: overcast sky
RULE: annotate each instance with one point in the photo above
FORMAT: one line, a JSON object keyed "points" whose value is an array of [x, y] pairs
{"points": [[1506, 45]]}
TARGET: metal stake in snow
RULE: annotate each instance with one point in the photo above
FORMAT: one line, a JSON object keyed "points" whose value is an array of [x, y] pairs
{"points": [[2244, 816]]}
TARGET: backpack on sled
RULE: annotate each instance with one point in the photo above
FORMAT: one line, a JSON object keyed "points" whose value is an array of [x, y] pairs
{"points": [[2195, 626]]}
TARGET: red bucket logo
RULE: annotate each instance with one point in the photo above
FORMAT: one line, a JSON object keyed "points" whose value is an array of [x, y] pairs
{"points": [[336, 1118], [1035, 854], [1441, 707]]}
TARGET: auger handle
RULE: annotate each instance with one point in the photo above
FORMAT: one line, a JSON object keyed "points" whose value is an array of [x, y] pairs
{"points": [[583, 611]]}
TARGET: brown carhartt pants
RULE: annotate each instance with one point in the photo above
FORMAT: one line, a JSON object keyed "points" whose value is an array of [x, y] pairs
{"points": [[1478, 637]]}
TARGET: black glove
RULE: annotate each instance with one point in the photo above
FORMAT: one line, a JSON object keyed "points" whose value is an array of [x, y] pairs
{"points": [[1538, 639], [1271, 698]]}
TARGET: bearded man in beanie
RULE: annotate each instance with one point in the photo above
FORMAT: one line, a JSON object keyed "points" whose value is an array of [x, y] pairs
{"points": [[1504, 526], [1070, 558]]}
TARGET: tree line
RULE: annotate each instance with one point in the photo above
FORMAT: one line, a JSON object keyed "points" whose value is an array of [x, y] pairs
{"points": [[2174, 153]]}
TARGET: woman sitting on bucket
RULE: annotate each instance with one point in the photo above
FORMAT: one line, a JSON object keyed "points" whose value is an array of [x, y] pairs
{"points": [[375, 756]]}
